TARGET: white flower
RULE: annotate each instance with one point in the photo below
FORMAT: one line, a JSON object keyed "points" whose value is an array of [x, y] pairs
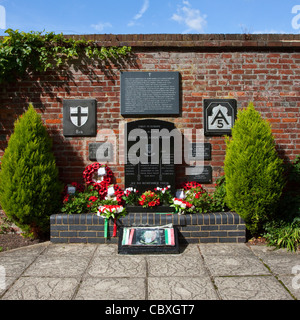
{"points": [[176, 201], [110, 191]]}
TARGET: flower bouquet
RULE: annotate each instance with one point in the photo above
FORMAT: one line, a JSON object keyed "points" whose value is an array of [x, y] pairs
{"points": [[181, 205], [149, 199], [131, 196], [164, 195], [111, 211]]}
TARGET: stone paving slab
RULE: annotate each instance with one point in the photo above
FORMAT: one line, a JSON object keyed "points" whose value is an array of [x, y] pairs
{"points": [[117, 266], [181, 288], [281, 262], [225, 249], [112, 289], [235, 266], [57, 266], [42, 288], [251, 288], [232, 259], [77, 250], [15, 264], [176, 266]]}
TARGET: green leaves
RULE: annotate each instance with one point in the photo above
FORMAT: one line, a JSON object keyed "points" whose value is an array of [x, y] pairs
{"points": [[21, 52], [284, 234]]}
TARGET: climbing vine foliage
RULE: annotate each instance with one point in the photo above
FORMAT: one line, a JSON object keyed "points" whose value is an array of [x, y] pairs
{"points": [[22, 52]]}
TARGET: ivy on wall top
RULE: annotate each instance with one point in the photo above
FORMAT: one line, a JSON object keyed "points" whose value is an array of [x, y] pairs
{"points": [[22, 52]]}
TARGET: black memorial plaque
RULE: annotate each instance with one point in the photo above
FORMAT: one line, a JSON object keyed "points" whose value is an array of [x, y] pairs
{"points": [[79, 118], [201, 151], [204, 177], [219, 116], [148, 174], [100, 151], [149, 93]]}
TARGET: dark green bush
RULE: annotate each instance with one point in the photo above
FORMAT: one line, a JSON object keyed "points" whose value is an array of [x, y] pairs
{"points": [[284, 230], [29, 187], [253, 170]]}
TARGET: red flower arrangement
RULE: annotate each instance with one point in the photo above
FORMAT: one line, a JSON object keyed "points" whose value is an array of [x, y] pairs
{"points": [[149, 199], [190, 185]]}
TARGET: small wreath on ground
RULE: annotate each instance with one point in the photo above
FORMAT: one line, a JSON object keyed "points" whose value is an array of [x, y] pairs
{"points": [[97, 175]]}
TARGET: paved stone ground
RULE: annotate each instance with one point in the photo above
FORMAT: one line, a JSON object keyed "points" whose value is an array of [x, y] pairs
{"points": [[200, 272]]}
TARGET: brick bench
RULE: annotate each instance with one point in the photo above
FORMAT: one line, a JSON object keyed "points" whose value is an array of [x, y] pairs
{"points": [[193, 228]]}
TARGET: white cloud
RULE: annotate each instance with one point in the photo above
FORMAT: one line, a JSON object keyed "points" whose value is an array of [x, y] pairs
{"points": [[101, 26], [140, 13], [190, 17]]}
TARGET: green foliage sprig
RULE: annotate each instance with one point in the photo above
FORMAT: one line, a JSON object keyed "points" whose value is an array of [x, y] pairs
{"points": [[21, 52]]}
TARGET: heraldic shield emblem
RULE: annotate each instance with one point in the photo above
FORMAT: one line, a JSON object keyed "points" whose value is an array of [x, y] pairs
{"points": [[79, 115]]}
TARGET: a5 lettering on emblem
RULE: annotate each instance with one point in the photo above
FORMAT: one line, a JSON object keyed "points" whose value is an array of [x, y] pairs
{"points": [[219, 116]]}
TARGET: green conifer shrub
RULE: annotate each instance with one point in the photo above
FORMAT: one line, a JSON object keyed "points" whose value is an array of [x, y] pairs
{"points": [[253, 170], [29, 186]]}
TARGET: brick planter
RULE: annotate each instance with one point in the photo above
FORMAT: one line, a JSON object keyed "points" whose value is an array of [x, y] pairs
{"points": [[193, 228]]}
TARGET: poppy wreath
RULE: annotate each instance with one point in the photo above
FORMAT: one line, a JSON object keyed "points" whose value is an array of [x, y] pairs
{"points": [[89, 173]]}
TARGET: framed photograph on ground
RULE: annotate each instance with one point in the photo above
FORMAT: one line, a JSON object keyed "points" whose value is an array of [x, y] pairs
{"points": [[144, 239]]}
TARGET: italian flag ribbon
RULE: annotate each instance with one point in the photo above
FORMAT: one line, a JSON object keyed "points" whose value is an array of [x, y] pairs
{"points": [[105, 228], [115, 228]]}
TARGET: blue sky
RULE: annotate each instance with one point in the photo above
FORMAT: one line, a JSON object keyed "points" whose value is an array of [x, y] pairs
{"points": [[151, 16]]}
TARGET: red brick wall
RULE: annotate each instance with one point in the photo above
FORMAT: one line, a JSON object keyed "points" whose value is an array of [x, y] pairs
{"points": [[264, 69]]}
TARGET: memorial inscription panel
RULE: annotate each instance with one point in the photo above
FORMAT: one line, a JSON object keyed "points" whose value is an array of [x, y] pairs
{"points": [[148, 174], [100, 152], [204, 177], [201, 151], [148, 93]]}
